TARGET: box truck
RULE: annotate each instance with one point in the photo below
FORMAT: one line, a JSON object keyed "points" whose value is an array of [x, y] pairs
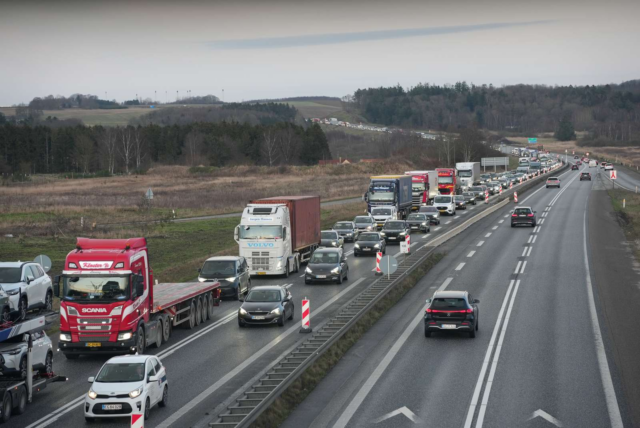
{"points": [[392, 190], [468, 173]]}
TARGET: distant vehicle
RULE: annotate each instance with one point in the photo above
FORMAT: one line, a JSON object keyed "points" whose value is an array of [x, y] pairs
{"points": [[574, 167], [448, 183], [13, 352], [395, 230], [468, 173], [593, 163], [479, 192], [390, 190], [523, 216], [331, 238], [444, 204], [369, 243], [267, 304], [419, 221], [585, 176], [28, 287], [609, 167], [126, 384], [347, 230], [494, 187], [452, 311], [327, 265], [603, 164], [232, 272], [424, 187], [460, 203], [382, 214], [432, 212], [469, 198], [553, 182], [364, 223], [578, 162], [576, 157]]}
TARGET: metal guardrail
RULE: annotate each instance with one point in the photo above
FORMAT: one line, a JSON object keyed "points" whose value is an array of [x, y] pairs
{"points": [[254, 401]]}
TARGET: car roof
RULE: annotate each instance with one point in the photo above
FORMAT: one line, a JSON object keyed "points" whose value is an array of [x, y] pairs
{"points": [[328, 250], [521, 207], [225, 258], [128, 359], [269, 287], [554, 178], [450, 294]]}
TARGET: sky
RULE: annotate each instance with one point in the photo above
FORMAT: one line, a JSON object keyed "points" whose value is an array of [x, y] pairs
{"points": [[275, 49]]}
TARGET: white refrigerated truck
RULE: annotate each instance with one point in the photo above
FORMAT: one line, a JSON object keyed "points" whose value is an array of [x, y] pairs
{"points": [[468, 173]]}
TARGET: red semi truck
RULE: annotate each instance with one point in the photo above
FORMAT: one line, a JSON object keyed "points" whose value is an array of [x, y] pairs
{"points": [[448, 181], [110, 304]]}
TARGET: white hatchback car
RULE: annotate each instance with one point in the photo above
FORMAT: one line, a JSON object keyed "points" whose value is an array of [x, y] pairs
{"points": [[28, 287], [127, 384]]}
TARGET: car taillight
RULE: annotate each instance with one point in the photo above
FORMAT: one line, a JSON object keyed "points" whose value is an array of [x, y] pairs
{"points": [[530, 215], [469, 311], [429, 310], [514, 215]]}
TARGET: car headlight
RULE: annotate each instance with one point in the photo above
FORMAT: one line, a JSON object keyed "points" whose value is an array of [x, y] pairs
{"points": [[375, 246], [333, 243], [349, 234], [14, 351], [335, 270], [243, 312], [136, 392], [65, 337], [369, 227], [424, 223], [276, 311], [13, 292], [125, 335], [201, 279], [230, 279], [308, 270], [92, 394], [356, 245], [383, 234], [402, 233]]}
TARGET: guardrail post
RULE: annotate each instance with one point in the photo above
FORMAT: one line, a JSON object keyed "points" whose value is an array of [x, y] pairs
{"points": [[306, 316]]}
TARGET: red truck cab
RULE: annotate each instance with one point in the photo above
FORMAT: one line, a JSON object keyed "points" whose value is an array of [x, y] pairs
{"points": [[447, 181]]}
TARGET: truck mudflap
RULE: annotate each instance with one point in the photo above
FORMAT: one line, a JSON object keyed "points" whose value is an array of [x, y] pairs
{"points": [[216, 297]]}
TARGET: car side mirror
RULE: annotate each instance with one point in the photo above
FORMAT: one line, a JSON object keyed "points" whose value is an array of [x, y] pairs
{"points": [[152, 379], [428, 301], [30, 278], [199, 269], [91, 379], [476, 301]]}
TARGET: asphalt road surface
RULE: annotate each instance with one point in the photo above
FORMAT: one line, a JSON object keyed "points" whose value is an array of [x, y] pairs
{"points": [[539, 359], [208, 365]]}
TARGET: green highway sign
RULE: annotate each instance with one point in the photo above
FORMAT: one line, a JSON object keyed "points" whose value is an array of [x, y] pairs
{"points": [[533, 140]]}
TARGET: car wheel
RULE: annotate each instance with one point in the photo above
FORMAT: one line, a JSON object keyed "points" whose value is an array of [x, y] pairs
{"points": [[165, 397], [281, 320], [346, 276], [22, 309], [236, 295], [48, 302], [48, 364], [292, 311], [513, 225], [147, 408], [22, 368], [307, 282], [385, 250], [22, 400], [427, 333], [142, 340], [355, 254], [339, 280], [6, 315], [7, 407]]}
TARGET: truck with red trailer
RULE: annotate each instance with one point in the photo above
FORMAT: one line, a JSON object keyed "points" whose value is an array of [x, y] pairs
{"points": [[109, 302], [448, 181], [276, 235], [424, 187]]}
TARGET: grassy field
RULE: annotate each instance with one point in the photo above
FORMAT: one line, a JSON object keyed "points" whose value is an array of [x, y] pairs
{"points": [[92, 117]]}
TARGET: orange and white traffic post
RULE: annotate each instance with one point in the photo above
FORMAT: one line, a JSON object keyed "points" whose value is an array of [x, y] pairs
{"points": [[306, 316], [486, 196], [515, 197], [378, 259], [510, 184], [137, 420], [501, 190]]}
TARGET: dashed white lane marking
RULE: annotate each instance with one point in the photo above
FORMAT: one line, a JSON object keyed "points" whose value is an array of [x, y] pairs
{"points": [[523, 266], [460, 266], [480, 243], [437, 229], [487, 235], [494, 227], [471, 254], [302, 275], [524, 252], [447, 222], [530, 238], [501, 221], [455, 218], [529, 252], [544, 214], [518, 267], [541, 221], [534, 239], [506, 216]]}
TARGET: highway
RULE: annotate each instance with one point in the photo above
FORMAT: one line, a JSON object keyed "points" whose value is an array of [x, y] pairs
{"points": [[539, 357], [209, 365]]}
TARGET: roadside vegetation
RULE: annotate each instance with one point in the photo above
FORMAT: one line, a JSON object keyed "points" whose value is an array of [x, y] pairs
{"points": [[629, 216]]}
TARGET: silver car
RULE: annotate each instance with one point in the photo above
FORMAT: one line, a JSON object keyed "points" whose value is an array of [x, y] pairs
{"points": [[432, 212], [365, 223], [28, 287], [13, 355]]}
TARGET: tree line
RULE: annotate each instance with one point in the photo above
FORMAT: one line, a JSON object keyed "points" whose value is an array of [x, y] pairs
{"points": [[30, 149], [609, 112]]}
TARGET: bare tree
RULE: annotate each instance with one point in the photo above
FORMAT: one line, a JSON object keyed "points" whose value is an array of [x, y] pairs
{"points": [[107, 141], [139, 145], [289, 144], [126, 147], [83, 153], [270, 146], [193, 143]]}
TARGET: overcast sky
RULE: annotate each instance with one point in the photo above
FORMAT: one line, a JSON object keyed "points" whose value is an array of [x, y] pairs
{"points": [[274, 49]]}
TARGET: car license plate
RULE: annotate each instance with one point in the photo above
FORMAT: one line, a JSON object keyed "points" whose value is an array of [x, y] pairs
{"points": [[366, 249], [414, 227], [321, 276], [449, 326], [257, 317], [112, 407], [262, 273], [93, 344], [392, 237]]}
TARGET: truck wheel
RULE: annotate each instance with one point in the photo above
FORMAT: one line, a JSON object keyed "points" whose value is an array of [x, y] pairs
{"points": [[7, 407], [210, 306], [142, 340], [23, 368], [207, 302], [286, 270], [166, 329], [22, 400], [203, 311], [297, 262], [198, 311], [192, 316], [159, 333]]}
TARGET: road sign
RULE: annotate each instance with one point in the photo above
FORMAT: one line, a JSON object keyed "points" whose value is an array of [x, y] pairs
{"points": [[388, 265], [533, 140], [378, 258], [613, 174], [494, 161], [405, 246], [44, 261], [306, 316], [149, 194]]}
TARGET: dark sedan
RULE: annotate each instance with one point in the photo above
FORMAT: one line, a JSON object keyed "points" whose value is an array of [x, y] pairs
{"points": [[523, 216], [347, 230], [469, 198], [395, 231], [585, 176], [327, 265], [369, 243], [451, 311], [419, 222], [459, 202], [478, 191], [270, 304], [331, 238], [575, 167], [432, 212]]}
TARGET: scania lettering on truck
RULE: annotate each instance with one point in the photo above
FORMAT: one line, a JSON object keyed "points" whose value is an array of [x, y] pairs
{"points": [[424, 187], [109, 302], [468, 173], [277, 234], [385, 190], [448, 181]]}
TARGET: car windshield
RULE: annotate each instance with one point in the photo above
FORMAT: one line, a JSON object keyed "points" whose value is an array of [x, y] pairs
{"points": [[454, 304], [343, 226], [586, 174], [458, 198], [10, 275], [260, 232], [468, 194], [96, 288], [218, 267], [121, 372], [428, 209], [394, 225], [380, 211], [416, 217], [328, 235], [477, 189], [321, 257], [363, 220], [445, 180], [555, 179], [369, 237], [520, 211], [442, 199], [258, 295]]}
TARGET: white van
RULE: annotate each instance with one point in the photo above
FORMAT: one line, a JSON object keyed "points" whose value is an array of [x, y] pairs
{"points": [[592, 163], [444, 204]]}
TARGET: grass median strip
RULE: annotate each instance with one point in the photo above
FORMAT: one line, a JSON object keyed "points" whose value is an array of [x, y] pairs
{"points": [[302, 387]]}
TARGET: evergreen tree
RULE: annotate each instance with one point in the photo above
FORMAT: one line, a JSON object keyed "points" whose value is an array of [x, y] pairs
{"points": [[565, 131], [315, 146]]}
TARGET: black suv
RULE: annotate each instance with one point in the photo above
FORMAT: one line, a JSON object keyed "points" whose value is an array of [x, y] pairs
{"points": [[394, 230], [585, 176], [419, 221], [523, 215], [451, 310], [369, 243]]}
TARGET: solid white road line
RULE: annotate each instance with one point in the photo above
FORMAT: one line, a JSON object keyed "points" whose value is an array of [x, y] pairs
{"points": [[397, 254], [480, 243], [523, 266], [494, 364], [529, 252], [487, 235], [460, 266], [368, 385], [471, 254], [487, 360], [605, 374], [518, 267]]}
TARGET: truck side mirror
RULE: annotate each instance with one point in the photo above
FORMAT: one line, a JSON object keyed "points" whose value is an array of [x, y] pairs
{"points": [[56, 285], [236, 233], [284, 233]]}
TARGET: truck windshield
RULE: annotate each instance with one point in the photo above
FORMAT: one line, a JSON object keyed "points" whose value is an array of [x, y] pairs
{"points": [[381, 191], [122, 372], [260, 232], [380, 211], [465, 173], [9, 275], [418, 187], [445, 180], [94, 288]]}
